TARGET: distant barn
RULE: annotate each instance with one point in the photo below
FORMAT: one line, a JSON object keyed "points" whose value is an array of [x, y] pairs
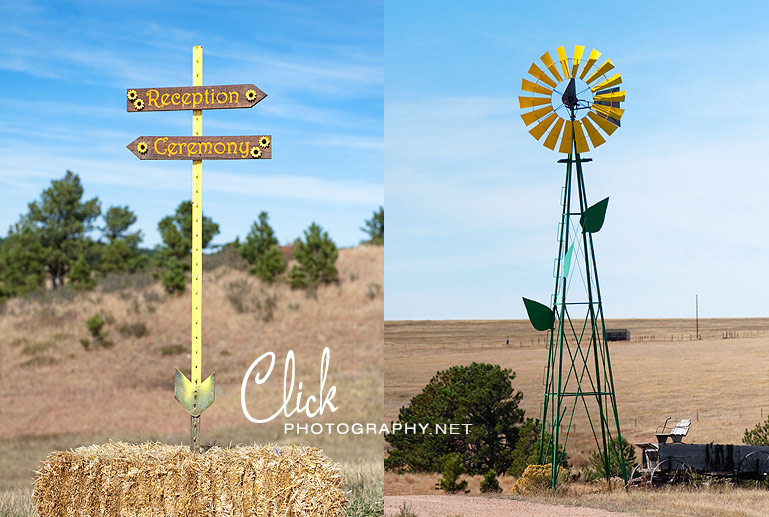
{"points": [[617, 335]]}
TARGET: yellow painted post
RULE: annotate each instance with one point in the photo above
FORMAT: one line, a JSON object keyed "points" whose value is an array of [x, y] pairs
{"points": [[195, 396], [197, 249], [197, 227]]}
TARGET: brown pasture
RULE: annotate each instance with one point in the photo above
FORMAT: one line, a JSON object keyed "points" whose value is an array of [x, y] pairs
{"points": [[720, 383]]}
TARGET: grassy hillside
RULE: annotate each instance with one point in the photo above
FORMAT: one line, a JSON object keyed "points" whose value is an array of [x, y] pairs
{"points": [[59, 395]]}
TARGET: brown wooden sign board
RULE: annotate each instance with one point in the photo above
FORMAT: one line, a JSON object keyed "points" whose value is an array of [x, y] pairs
{"points": [[251, 147], [193, 97]]}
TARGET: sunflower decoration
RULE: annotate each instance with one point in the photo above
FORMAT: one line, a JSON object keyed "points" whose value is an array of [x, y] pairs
{"points": [[264, 141], [142, 147], [132, 96], [251, 95], [139, 104], [256, 152]]}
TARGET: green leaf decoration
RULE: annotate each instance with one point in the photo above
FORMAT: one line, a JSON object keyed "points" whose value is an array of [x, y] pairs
{"points": [[567, 261], [540, 316], [592, 218]]}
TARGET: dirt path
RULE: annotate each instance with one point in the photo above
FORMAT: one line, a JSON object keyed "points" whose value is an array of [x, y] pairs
{"points": [[468, 506]]}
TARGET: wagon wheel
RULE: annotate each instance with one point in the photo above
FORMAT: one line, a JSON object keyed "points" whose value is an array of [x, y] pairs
{"points": [[673, 472], [754, 466], [639, 477]]}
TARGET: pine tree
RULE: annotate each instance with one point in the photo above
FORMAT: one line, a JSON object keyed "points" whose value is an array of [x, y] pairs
{"points": [[490, 483], [173, 277], [452, 469], [62, 221], [316, 256], [176, 232], [117, 220], [121, 252], [375, 228], [597, 469], [261, 250], [759, 435], [22, 261], [79, 274], [480, 395]]}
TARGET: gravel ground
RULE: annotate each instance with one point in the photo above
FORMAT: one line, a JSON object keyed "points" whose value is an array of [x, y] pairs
{"points": [[468, 506]]}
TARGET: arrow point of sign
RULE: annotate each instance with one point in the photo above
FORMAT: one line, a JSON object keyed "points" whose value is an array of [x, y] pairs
{"points": [[195, 398], [260, 95], [134, 147]]}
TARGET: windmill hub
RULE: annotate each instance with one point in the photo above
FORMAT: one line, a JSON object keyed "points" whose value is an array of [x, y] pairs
{"points": [[569, 97]]}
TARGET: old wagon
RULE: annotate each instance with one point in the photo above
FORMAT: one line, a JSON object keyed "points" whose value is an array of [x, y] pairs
{"points": [[669, 460]]}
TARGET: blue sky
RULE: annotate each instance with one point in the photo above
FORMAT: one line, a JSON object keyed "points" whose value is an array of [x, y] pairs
{"points": [[65, 67], [473, 199]]}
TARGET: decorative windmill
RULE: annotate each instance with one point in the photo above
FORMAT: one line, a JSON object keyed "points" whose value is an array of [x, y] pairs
{"points": [[566, 103]]}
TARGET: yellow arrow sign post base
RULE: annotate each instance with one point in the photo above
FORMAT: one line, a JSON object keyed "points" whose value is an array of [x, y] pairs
{"points": [[193, 395]]}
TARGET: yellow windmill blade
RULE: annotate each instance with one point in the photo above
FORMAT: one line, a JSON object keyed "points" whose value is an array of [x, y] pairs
{"points": [[566, 138], [564, 61], [578, 51], [579, 137], [533, 116], [610, 97], [595, 137], [548, 61], [540, 75], [606, 67], [594, 55], [604, 124], [528, 86], [608, 83], [557, 129], [608, 111], [552, 138], [539, 130], [530, 102]]}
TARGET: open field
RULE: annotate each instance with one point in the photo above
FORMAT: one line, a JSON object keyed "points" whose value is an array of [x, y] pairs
{"points": [[59, 396], [721, 384], [722, 501]]}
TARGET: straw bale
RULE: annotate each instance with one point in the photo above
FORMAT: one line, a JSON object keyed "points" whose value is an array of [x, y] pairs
{"points": [[155, 479]]}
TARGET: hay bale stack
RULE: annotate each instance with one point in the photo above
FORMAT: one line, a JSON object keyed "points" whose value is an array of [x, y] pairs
{"points": [[158, 479]]}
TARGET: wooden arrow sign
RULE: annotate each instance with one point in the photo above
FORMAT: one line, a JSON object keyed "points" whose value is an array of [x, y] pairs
{"points": [[193, 97], [202, 147]]}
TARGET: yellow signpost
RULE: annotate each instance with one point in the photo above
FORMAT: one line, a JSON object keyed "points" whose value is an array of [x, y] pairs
{"points": [[194, 394]]}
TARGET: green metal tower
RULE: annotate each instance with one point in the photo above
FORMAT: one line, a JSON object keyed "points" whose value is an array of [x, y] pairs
{"points": [[578, 375]]}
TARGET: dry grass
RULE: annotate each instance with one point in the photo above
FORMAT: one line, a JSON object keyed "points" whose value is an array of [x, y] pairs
{"points": [[424, 484], [717, 501], [126, 392], [17, 502], [713, 501], [721, 384]]}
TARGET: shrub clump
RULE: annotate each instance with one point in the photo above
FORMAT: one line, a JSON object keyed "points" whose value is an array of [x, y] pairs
{"points": [[172, 350], [490, 483], [597, 469], [137, 330], [539, 478], [95, 325]]}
